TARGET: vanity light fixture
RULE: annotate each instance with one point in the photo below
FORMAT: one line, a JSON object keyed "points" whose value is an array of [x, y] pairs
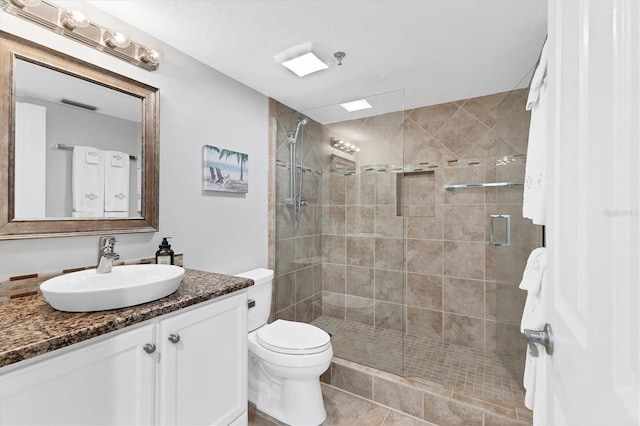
{"points": [[76, 26], [116, 40], [150, 56], [305, 64], [358, 105], [343, 146], [72, 19], [26, 3]]}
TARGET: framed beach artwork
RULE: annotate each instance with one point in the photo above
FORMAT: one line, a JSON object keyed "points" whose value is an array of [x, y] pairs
{"points": [[224, 170]]}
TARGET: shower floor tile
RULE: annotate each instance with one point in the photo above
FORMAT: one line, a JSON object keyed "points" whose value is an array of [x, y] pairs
{"points": [[466, 371]]}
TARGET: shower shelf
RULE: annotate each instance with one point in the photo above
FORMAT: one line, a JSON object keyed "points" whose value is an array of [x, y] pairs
{"points": [[480, 185]]}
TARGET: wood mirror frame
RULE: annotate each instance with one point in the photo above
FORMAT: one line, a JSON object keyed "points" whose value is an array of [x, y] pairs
{"points": [[13, 48]]}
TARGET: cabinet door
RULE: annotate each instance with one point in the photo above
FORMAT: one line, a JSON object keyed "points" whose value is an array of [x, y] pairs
{"points": [[108, 382], [204, 375]]}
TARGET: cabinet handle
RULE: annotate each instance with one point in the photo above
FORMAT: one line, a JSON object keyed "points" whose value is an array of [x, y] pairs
{"points": [[149, 348], [174, 338]]}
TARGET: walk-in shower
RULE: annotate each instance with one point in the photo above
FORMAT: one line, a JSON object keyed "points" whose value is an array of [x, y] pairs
{"points": [[396, 257], [295, 198]]}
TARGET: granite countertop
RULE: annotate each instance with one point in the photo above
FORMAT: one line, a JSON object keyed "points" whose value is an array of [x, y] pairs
{"points": [[31, 327]]}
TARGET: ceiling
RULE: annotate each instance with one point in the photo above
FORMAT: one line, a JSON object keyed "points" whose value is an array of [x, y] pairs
{"points": [[436, 51]]}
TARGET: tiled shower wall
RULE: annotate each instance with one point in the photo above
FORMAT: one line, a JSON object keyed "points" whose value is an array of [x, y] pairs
{"points": [[296, 240], [440, 238]]}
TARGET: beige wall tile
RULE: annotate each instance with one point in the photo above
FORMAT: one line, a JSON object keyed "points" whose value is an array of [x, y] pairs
{"points": [[444, 411], [464, 331], [304, 310], [389, 316], [334, 249], [360, 251], [424, 323], [304, 283], [387, 224], [463, 259], [284, 286], [360, 281], [464, 222], [421, 147], [432, 118], [484, 108], [463, 296], [398, 396], [424, 256], [389, 286], [333, 278], [333, 305], [360, 219], [424, 291], [389, 253], [359, 309], [425, 228], [353, 381], [333, 220], [460, 131], [459, 175]]}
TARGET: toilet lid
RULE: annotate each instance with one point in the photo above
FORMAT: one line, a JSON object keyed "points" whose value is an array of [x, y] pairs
{"points": [[295, 338]]}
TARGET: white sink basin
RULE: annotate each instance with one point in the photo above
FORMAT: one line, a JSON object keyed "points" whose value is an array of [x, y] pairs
{"points": [[127, 285]]}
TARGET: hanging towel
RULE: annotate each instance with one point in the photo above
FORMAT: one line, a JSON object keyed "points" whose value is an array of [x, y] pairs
{"points": [[116, 182], [540, 403], [533, 206], [533, 318], [87, 182]]}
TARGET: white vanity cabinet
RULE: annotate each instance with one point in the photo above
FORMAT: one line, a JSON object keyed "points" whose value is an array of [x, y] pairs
{"points": [[203, 367], [197, 377], [107, 382]]}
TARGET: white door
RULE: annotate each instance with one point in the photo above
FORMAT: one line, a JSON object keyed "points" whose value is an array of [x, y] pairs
{"points": [[593, 216]]}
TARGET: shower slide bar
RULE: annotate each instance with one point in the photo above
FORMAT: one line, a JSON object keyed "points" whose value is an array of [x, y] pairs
{"points": [[480, 185], [70, 148]]}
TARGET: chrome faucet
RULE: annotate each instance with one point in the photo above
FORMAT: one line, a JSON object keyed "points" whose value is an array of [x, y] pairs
{"points": [[106, 254]]}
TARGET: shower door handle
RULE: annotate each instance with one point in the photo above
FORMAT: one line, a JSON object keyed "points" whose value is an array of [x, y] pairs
{"points": [[507, 218], [543, 337]]}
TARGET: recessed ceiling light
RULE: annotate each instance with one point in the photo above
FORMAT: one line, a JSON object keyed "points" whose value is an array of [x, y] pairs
{"points": [[356, 105], [305, 64]]}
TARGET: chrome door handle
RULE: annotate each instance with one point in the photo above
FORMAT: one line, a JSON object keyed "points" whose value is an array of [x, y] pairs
{"points": [[543, 337], [507, 218], [174, 338]]}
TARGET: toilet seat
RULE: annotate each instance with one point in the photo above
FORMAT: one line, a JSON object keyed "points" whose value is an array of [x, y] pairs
{"points": [[293, 338]]}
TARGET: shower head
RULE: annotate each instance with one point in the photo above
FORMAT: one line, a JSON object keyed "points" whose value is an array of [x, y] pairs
{"points": [[293, 137]]}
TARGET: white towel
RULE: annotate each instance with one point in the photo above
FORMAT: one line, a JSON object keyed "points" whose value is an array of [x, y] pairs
{"points": [[533, 206], [87, 182], [116, 214], [139, 183], [533, 318], [540, 403], [116, 182]]}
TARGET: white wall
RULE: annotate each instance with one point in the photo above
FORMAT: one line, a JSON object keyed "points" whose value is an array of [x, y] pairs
{"points": [[198, 105]]}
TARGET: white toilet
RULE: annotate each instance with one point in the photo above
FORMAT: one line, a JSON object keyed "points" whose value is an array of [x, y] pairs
{"points": [[286, 360]]}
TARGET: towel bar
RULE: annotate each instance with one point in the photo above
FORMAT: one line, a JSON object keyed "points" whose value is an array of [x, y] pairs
{"points": [[480, 185], [70, 147]]}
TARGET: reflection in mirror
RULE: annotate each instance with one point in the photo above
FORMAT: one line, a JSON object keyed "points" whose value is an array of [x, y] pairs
{"points": [[55, 113], [78, 146]]}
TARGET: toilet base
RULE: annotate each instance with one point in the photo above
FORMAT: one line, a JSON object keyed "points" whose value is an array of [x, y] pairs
{"points": [[294, 402]]}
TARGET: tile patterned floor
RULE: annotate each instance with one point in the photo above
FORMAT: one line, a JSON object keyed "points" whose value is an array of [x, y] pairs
{"points": [[345, 409], [468, 371]]}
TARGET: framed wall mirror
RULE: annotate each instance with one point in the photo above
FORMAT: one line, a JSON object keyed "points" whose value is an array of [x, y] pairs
{"points": [[78, 146]]}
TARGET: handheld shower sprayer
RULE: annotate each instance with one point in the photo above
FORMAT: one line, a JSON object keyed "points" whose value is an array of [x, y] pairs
{"points": [[295, 181]]}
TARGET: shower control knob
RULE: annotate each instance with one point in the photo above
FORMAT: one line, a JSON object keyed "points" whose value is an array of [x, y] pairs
{"points": [[149, 348], [174, 338]]}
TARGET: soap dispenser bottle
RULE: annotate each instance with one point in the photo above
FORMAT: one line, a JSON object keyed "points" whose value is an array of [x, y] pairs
{"points": [[164, 255]]}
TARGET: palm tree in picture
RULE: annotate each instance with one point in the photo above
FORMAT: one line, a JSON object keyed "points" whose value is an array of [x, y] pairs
{"points": [[240, 158]]}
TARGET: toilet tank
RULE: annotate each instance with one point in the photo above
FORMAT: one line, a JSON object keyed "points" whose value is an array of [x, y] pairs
{"points": [[260, 292]]}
